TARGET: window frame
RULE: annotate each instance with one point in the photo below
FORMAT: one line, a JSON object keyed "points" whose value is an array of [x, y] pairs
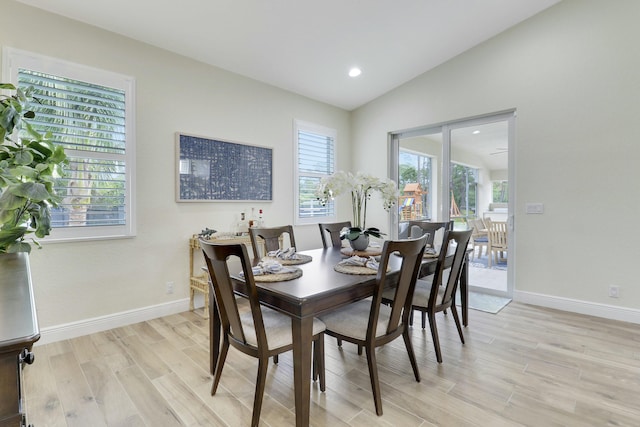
{"points": [[300, 125], [14, 59]]}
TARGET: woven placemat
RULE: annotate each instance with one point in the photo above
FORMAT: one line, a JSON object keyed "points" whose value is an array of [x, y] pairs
{"points": [[425, 255], [279, 277], [370, 251], [354, 269], [303, 259]]}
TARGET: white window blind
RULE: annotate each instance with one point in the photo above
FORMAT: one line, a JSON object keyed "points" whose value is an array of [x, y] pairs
{"points": [[88, 120], [88, 112], [315, 160]]}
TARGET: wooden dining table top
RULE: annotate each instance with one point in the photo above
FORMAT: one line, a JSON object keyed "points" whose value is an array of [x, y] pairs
{"points": [[321, 288]]}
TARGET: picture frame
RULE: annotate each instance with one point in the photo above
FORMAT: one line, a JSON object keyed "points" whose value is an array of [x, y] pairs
{"points": [[217, 170]]}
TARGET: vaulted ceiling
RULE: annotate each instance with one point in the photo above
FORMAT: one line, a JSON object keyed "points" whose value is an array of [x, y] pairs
{"points": [[307, 47]]}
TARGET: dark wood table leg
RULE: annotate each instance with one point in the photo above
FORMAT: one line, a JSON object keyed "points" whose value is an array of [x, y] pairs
{"points": [[214, 331], [464, 290], [302, 329]]}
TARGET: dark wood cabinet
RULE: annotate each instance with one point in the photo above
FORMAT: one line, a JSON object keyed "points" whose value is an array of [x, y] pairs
{"points": [[18, 331]]}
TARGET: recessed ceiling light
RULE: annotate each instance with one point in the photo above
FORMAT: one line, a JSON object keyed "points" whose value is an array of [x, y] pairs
{"points": [[475, 132], [355, 72]]}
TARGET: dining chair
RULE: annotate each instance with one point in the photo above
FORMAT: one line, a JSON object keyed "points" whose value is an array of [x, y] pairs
{"points": [[267, 239], [261, 332], [333, 229], [369, 323], [419, 228], [437, 293], [270, 238], [497, 234], [479, 237]]}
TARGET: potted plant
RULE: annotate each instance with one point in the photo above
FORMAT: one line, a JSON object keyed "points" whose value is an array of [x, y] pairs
{"points": [[29, 164], [360, 186]]}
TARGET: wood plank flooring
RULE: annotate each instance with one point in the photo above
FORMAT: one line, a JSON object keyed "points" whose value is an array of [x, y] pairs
{"points": [[526, 366]]}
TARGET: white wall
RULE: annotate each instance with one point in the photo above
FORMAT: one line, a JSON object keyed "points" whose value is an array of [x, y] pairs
{"points": [[75, 282], [572, 74]]}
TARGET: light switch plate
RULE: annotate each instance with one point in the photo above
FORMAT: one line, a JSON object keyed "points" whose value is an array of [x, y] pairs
{"points": [[534, 208]]}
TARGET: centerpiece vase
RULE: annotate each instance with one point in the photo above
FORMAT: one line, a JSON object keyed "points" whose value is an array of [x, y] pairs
{"points": [[361, 243]]}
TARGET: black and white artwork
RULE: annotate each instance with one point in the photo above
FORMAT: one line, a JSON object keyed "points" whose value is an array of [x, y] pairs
{"points": [[217, 170]]}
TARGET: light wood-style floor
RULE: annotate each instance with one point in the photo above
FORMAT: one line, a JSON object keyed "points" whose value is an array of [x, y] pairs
{"points": [[524, 366]]}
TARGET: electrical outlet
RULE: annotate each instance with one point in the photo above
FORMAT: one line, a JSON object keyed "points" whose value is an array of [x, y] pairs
{"points": [[614, 291], [169, 287]]}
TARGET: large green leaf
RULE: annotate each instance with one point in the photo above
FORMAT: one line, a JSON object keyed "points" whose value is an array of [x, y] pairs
{"points": [[10, 147], [7, 118], [35, 191], [10, 201], [42, 167], [23, 157], [7, 216], [6, 178], [42, 221], [45, 148], [24, 171], [58, 155], [31, 131], [8, 238], [19, 246]]}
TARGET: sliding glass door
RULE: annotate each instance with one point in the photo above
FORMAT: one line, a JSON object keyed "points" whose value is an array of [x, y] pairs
{"points": [[460, 171]]}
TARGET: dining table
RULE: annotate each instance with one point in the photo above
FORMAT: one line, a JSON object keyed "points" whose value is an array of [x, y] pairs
{"points": [[318, 290]]}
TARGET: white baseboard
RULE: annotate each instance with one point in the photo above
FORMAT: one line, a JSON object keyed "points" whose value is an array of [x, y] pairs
{"points": [[116, 320], [606, 311]]}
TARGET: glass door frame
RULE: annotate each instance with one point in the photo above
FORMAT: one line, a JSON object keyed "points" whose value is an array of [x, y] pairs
{"points": [[445, 201]]}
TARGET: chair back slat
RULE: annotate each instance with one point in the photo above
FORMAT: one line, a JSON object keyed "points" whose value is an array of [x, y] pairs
{"points": [[271, 238], [498, 234], [461, 240], [217, 257], [334, 230], [410, 251]]}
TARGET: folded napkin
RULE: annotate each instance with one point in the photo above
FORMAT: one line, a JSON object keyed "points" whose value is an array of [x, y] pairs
{"points": [[430, 251], [289, 253], [362, 262], [268, 267]]}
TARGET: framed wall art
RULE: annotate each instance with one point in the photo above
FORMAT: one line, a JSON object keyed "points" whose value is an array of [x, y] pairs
{"points": [[210, 170]]}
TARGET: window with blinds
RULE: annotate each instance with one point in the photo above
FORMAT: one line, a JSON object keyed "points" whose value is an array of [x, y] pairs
{"points": [[315, 156], [87, 112]]}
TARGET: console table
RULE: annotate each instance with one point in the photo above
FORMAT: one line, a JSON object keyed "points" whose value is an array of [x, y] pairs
{"points": [[18, 331]]}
